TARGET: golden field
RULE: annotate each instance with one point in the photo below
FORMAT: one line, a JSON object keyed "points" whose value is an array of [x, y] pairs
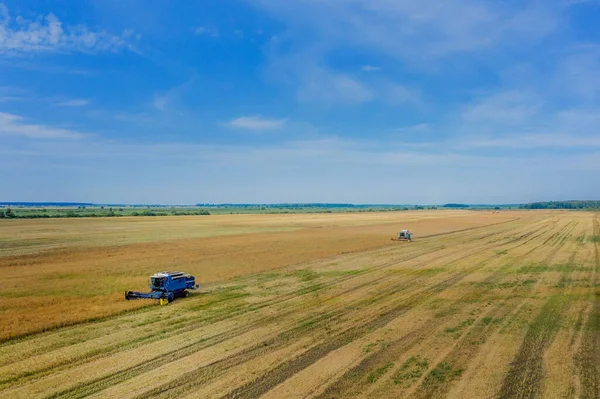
{"points": [[304, 305]]}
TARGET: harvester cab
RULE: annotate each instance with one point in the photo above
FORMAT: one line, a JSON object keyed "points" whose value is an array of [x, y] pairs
{"points": [[165, 287], [404, 235]]}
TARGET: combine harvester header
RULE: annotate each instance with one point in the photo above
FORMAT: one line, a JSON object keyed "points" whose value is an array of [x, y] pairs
{"points": [[165, 287]]}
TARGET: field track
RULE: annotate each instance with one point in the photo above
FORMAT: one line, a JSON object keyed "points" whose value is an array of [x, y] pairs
{"points": [[494, 306]]}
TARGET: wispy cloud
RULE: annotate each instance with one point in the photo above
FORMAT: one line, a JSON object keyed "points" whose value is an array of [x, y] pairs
{"points": [[533, 141], [580, 2], [330, 87], [160, 101], [580, 72], [370, 68], [78, 102], [256, 123], [10, 93], [15, 125], [5, 99], [418, 128], [398, 94], [357, 171], [46, 34], [205, 31], [421, 34], [512, 106], [163, 100], [36, 65], [417, 28]]}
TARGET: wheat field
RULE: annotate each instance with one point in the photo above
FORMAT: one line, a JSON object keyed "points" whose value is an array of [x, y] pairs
{"points": [[479, 305]]}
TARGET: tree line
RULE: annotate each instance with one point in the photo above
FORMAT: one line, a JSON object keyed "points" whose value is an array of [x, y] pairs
{"points": [[562, 205], [9, 213]]}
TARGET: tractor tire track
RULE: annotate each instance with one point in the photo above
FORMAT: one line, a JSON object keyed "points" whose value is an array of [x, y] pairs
{"points": [[345, 386], [209, 341], [588, 357], [97, 385], [196, 324], [193, 378], [526, 374], [462, 354], [287, 369], [231, 334]]}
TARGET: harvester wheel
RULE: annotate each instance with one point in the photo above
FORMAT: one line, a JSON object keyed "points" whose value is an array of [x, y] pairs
{"points": [[185, 294], [170, 297]]}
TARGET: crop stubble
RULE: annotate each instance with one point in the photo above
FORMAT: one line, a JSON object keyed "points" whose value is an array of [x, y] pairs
{"points": [[424, 319]]}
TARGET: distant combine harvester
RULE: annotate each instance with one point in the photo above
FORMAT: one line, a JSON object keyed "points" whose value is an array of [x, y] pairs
{"points": [[403, 235]]}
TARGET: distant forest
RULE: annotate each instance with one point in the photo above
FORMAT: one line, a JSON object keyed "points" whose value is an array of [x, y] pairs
{"points": [[563, 205], [455, 206]]}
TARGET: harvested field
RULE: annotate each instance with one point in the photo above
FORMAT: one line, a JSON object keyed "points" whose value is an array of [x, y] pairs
{"points": [[479, 305]]}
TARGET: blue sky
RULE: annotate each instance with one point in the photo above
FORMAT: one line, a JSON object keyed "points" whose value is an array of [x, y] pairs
{"points": [[364, 101]]}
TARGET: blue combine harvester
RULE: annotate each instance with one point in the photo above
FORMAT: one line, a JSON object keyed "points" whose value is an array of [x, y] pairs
{"points": [[166, 286]]}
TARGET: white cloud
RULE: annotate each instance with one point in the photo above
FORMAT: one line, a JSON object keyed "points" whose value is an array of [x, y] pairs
{"points": [[14, 125], [78, 102], [20, 36], [256, 123]]}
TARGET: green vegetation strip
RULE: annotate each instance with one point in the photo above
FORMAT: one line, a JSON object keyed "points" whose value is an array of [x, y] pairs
{"points": [[40, 212], [291, 367], [439, 382], [589, 352], [377, 374], [442, 373], [410, 371], [524, 379]]}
